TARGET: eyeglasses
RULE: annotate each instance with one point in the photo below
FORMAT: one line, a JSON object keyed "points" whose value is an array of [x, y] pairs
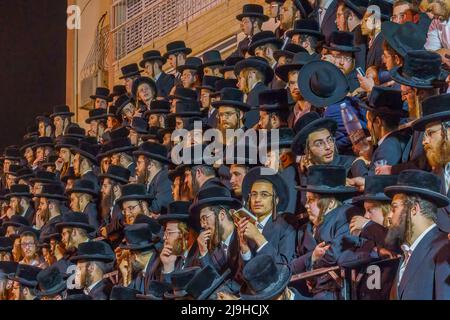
{"points": [[263, 195], [205, 218], [429, 133], [168, 232], [342, 58], [321, 144], [130, 208], [226, 115], [27, 244]]}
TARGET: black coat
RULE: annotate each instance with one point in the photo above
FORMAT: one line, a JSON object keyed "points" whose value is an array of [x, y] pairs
{"points": [[102, 290], [375, 52], [251, 118], [242, 47], [329, 20], [192, 260], [360, 41], [141, 281], [92, 177], [29, 214], [164, 84], [92, 213], [160, 190], [292, 179]]}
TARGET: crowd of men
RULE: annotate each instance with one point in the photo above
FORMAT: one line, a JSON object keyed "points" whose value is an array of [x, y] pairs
{"points": [[107, 213]]}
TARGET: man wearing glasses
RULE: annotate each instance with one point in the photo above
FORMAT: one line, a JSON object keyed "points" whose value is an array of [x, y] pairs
{"points": [[28, 244]]}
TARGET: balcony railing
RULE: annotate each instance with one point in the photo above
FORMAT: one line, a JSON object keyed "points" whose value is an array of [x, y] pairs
{"points": [[135, 23]]}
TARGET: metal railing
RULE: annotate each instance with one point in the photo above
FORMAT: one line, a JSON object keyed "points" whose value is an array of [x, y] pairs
{"points": [[135, 23]]}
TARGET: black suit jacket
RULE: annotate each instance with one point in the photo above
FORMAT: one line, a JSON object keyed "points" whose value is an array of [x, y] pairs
{"points": [[164, 84], [92, 177], [91, 212], [102, 290], [251, 118], [141, 282], [375, 52], [160, 190], [29, 215], [192, 260], [242, 47], [329, 20]]}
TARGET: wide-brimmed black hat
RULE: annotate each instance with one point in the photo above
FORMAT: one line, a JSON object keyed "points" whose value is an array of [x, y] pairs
{"points": [[231, 97], [285, 139], [75, 131], [117, 173], [176, 211], [262, 38], [111, 111], [209, 83], [289, 51], [7, 268], [52, 191], [48, 233], [96, 114], [83, 186], [133, 192], [257, 63], [342, 41], [403, 37], [417, 182], [119, 145], [205, 282], [42, 176], [50, 161], [222, 84], [252, 11], [121, 293], [139, 124], [212, 58], [158, 107], [322, 83], [328, 179], [155, 291], [101, 93], [66, 142], [50, 282], [94, 251], [6, 244], [75, 220], [130, 70], [61, 110], [434, 109], [182, 93], [87, 150], [44, 142], [11, 153], [421, 69], [306, 26], [26, 275], [152, 55], [140, 81], [154, 133], [357, 6], [187, 109], [118, 91], [139, 237], [176, 47], [213, 196], [374, 188], [270, 175], [70, 174], [230, 62], [299, 60], [28, 143], [153, 151], [385, 8], [272, 100], [387, 102], [19, 190], [308, 123], [191, 63], [264, 279], [13, 169], [180, 280]]}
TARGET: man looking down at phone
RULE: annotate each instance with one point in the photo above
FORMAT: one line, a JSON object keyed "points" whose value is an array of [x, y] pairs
{"points": [[267, 196]]}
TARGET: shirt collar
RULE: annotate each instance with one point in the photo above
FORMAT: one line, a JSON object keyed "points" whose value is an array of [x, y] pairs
{"points": [[326, 4], [92, 286], [157, 77], [266, 219], [411, 248], [228, 240]]}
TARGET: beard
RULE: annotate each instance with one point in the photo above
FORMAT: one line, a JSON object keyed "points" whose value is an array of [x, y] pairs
{"points": [[137, 266], [438, 156], [106, 202], [178, 247], [142, 176], [396, 234]]}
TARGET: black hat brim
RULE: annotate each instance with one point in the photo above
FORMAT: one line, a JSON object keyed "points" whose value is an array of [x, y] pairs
{"points": [[129, 75], [212, 63], [53, 115], [85, 154], [341, 190], [274, 289], [397, 76], [163, 219], [440, 200], [52, 291], [153, 156], [195, 208], [87, 227], [92, 257], [186, 51], [421, 123], [51, 196], [113, 177], [256, 44], [99, 117], [216, 284], [106, 98], [230, 103], [258, 65], [139, 247], [132, 197], [386, 112], [263, 17], [299, 142], [82, 190], [19, 195], [24, 282], [151, 59], [342, 48], [370, 197], [313, 33]]}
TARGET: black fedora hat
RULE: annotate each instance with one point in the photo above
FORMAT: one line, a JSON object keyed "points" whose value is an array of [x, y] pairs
{"points": [[230, 62], [119, 133], [257, 63], [374, 188], [285, 138], [121, 293], [289, 51], [52, 191], [155, 291], [87, 150], [421, 69], [212, 58], [273, 100], [176, 47], [45, 118], [6, 244], [140, 81], [182, 93], [328, 179], [50, 161], [306, 26], [83, 186], [263, 38], [385, 8], [94, 251], [342, 41], [213, 196], [299, 60], [13, 169], [101, 93], [152, 134], [153, 151], [357, 6], [139, 237], [48, 233], [120, 145], [28, 143], [70, 174], [386, 101], [133, 192], [61, 110], [96, 114], [209, 83], [11, 153], [75, 131], [26, 275], [308, 123], [154, 225], [139, 125], [7, 268], [187, 109], [222, 84], [117, 173], [44, 142], [42, 176], [434, 109], [191, 63], [176, 211], [158, 107], [417, 182], [66, 142], [50, 282], [264, 279], [75, 220], [19, 190], [152, 55], [179, 281], [269, 175], [231, 97], [130, 70], [322, 83], [252, 11], [403, 37], [205, 282], [118, 91]]}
